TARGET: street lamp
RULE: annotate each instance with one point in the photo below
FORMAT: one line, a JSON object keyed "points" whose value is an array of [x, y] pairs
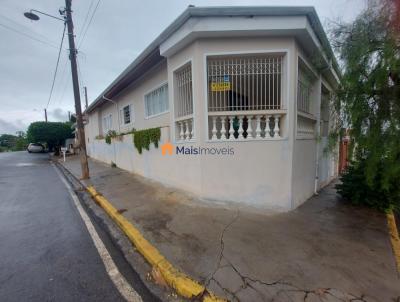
{"points": [[67, 14]]}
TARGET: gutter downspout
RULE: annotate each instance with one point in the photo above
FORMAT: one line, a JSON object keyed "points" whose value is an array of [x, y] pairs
{"points": [[318, 141]]}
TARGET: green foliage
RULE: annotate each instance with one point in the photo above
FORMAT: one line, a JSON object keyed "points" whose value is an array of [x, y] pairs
{"points": [[110, 134], [358, 191], [369, 97], [9, 142], [98, 137], [52, 133], [143, 138]]}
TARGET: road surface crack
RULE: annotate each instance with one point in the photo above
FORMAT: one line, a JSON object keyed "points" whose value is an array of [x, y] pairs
{"points": [[280, 286]]}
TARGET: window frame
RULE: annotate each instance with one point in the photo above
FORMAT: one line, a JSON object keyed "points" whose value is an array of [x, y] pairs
{"points": [[173, 91], [285, 88], [146, 116], [122, 115], [104, 121]]}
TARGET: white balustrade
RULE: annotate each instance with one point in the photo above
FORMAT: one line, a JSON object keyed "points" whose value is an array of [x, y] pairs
{"points": [[185, 129], [245, 126], [305, 126]]}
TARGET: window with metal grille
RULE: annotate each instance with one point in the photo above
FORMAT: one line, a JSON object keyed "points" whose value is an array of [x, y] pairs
{"points": [[245, 82], [184, 91], [156, 102], [304, 91], [126, 114]]}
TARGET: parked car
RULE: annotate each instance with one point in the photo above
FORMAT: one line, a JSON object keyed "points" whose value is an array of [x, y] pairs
{"points": [[35, 148]]}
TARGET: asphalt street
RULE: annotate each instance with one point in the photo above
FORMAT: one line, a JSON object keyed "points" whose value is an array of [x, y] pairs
{"points": [[46, 252]]}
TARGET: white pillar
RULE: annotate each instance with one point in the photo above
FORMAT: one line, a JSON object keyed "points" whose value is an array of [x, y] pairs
{"points": [[276, 128], [192, 129], [267, 128], [214, 128], [181, 133], [249, 127], [231, 131], [240, 130], [223, 130], [187, 132], [258, 128]]}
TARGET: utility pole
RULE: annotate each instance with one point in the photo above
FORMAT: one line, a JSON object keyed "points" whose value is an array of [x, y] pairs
{"points": [[45, 114], [79, 121], [86, 100]]}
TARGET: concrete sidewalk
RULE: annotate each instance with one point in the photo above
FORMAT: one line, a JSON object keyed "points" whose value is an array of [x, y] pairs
{"points": [[323, 251]]}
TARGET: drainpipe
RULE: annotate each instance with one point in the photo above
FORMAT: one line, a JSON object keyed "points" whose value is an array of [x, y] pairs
{"points": [[316, 166], [116, 105], [318, 125]]}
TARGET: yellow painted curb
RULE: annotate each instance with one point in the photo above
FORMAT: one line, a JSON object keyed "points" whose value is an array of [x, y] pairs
{"points": [[394, 238], [183, 285]]}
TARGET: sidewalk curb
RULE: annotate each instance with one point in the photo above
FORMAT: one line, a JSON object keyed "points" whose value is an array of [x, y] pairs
{"points": [[394, 238], [181, 283], [184, 286]]}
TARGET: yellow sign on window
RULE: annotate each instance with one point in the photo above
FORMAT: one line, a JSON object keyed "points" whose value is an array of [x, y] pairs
{"points": [[220, 86]]}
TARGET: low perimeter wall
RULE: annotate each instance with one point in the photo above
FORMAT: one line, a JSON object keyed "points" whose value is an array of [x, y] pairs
{"points": [[257, 174]]}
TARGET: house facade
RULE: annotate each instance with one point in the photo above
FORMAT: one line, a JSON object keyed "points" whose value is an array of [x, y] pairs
{"points": [[249, 88]]}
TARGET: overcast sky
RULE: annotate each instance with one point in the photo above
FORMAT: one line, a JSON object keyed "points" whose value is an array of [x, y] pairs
{"points": [[119, 31]]}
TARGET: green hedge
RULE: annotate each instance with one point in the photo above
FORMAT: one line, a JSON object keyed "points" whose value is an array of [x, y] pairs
{"points": [[143, 138], [377, 194]]}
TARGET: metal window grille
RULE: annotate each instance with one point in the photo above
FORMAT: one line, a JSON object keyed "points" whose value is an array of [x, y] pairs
{"points": [[126, 111], [156, 101], [245, 83], [184, 91], [303, 92]]}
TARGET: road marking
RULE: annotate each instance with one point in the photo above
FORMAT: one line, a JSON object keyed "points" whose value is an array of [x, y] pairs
{"points": [[116, 277]]}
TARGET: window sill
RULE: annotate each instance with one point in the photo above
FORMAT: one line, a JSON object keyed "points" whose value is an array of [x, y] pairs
{"points": [[155, 115]]}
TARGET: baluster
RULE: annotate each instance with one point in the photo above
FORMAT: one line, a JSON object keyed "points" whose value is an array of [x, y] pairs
{"points": [[276, 128], [223, 130], [192, 130], [187, 132], [249, 127], [267, 127], [231, 130], [181, 133], [240, 130], [258, 129], [214, 128]]}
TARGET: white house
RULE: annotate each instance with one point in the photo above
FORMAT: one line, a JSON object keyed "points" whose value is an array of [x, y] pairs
{"points": [[250, 86]]}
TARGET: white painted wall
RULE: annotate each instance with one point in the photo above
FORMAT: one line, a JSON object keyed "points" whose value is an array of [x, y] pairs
{"points": [[277, 174], [134, 95]]}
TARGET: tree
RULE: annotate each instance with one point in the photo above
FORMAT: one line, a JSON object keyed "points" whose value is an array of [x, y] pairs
{"points": [[52, 133], [10, 142], [369, 97]]}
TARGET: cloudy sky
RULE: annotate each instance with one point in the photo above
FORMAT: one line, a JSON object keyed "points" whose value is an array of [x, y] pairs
{"points": [[119, 30]]}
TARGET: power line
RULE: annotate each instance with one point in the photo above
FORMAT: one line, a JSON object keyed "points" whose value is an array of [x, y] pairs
{"points": [[86, 18], [27, 35], [27, 29], [90, 22], [62, 81], [63, 91], [58, 61]]}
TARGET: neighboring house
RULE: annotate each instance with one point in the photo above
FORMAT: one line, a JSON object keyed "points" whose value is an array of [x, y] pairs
{"points": [[255, 79]]}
